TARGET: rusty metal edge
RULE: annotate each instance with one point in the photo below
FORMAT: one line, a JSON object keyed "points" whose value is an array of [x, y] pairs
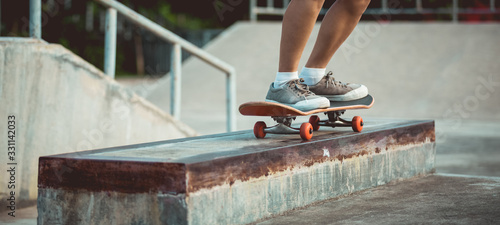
{"points": [[109, 175]]}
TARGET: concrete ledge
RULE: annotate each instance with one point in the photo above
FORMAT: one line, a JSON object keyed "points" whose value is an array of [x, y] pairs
{"points": [[228, 179]]}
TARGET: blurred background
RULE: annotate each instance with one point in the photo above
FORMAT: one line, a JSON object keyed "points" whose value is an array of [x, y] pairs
{"points": [[79, 25]]}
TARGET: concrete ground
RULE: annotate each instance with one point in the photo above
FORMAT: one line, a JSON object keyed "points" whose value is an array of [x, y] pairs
{"points": [[472, 149], [436, 199]]}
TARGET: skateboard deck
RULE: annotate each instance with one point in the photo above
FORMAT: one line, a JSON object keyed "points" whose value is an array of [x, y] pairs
{"points": [[284, 115]]}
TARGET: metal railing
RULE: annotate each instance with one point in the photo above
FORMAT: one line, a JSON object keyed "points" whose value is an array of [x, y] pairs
{"points": [[114, 7], [454, 11]]}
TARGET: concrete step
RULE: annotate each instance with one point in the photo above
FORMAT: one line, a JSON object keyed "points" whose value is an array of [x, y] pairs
{"points": [[230, 178]]}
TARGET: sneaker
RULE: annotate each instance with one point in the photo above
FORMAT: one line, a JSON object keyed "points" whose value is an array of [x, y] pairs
{"points": [[297, 95], [334, 90]]}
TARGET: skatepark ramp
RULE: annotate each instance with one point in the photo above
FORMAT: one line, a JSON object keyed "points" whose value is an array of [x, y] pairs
{"points": [[59, 103], [230, 178]]}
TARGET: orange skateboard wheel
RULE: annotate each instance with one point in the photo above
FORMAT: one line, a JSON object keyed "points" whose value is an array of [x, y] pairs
{"points": [[306, 131], [258, 129], [357, 123], [314, 121]]}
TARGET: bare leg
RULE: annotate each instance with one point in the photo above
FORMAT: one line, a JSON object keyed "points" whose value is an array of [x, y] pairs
{"points": [[298, 22], [339, 22]]}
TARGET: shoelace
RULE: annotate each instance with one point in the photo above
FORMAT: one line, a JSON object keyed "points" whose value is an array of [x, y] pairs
{"points": [[299, 87], [331, 79]]}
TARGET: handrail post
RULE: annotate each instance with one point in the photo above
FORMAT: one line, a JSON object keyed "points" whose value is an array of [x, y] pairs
{"points": [[253, 13], [270, 5], [178, 45], [418, 6], [231, 100], [175, 81], [492, 5], [455, 11], [384, 5], [36, 19], [110, 43]]}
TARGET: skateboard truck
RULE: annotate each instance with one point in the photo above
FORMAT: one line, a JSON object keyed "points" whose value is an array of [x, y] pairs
{"points": [[334, 120], [284, 125]]}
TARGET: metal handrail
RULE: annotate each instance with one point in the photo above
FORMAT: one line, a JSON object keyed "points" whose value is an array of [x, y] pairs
{"points": [[269, 9], [178, 43]]}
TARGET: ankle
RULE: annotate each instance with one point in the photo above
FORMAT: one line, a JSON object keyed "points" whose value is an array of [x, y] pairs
{"points": [[312, 76], [283, 77]]}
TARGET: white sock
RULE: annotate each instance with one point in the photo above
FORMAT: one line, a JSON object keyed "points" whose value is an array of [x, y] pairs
{"points": [[283, 77], [312, 76]]}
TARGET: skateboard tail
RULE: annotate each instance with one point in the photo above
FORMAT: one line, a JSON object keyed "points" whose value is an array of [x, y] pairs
{"points": [[268, 110]]}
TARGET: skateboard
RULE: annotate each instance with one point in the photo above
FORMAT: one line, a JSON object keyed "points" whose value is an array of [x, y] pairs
{"points": [[284, 115]]}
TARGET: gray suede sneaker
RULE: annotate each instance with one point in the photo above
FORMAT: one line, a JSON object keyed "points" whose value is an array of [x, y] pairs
{"points": [[297, 95], [337, 91]]}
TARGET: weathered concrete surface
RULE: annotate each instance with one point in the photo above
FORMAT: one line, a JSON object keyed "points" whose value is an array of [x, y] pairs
{"points": [[230, 178], [442, 71], [63, 104], [436, 199], [469, 148]]}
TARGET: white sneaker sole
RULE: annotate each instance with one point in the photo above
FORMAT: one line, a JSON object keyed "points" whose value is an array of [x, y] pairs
{"points": [[307, 105], [357, 93]]}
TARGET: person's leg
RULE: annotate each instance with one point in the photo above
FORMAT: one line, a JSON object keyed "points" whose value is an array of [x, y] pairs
{"points": [[339, 22], [337, 25], [298, 23]]}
